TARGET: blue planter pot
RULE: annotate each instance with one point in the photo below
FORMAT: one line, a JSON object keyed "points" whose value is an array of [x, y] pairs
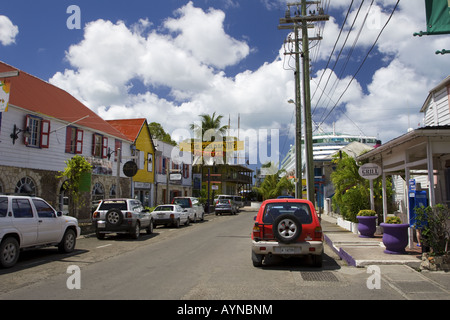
{"points": [[367, 225], [395, 237]]}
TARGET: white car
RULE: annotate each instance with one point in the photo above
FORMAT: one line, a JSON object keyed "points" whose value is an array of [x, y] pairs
{"points": [[29, 222], [193, 206], [170, 214]]}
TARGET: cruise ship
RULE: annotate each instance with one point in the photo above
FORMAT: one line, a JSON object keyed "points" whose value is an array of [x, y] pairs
{"points": [[324, 145]]}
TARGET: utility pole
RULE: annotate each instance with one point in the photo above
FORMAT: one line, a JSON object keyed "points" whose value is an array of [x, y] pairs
{"points": [[301, 20]]}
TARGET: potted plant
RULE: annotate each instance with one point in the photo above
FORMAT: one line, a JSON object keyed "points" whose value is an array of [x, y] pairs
{"points": [[395, 235], [367, 223]]}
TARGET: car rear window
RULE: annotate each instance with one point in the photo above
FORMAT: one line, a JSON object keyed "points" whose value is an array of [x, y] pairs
{"points": [[116, 204], [224, 201], [164, 208], [182, 202], [300, 210]]}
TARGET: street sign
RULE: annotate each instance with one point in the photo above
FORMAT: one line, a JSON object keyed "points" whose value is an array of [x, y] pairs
{"points": [[130, 169], [370, 171]]}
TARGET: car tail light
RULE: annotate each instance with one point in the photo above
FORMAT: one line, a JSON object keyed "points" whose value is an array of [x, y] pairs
{"points": [[96, 215], [256, 232], [172, 216], [129, 214], [318, 232]]}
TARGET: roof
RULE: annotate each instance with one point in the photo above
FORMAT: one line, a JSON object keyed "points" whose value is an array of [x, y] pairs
{"points": [[441, 85], [33, 94], [129, 127]]}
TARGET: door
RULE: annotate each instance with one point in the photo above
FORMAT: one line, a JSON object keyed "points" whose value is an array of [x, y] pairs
{"points": [[24, 221], [49, 226]]}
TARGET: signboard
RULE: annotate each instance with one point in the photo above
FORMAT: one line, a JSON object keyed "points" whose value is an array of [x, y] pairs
{"points": [[370, 171], [175, 177], [130, 169], [208, 148], [438, 16], [5, 88]]}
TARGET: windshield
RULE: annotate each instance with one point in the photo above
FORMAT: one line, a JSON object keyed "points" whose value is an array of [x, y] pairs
{"points": [[113, 204], [300, 210]]}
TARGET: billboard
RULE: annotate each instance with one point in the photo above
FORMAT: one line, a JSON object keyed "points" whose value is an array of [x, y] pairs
{"points": [[438, 16]]}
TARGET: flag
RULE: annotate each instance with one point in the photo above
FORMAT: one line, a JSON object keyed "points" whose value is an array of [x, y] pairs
{"points": [[5, 87], [438, 16]]}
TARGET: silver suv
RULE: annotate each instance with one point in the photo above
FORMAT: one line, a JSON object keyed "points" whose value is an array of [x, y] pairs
{"points": [[30, 222], [121, 216]]}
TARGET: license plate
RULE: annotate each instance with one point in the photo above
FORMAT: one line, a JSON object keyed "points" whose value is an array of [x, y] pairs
{"points": [[287, 250], [101, 224]]}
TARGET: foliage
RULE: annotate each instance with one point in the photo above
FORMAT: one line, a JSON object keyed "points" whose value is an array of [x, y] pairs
{"points": [[75, 168], [157, 132], [432, 222], [352, 192], [393, 220], [367, 213], [273, 186], [210, 123]]}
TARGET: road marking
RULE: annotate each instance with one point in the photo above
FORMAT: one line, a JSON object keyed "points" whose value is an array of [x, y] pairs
{"points": [[106, 245]]}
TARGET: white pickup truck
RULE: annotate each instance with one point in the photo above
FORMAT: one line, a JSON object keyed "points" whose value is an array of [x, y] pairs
{"points": [[30, 222]]}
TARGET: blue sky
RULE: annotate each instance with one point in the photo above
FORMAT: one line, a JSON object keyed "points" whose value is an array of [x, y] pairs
{"points": [[171, 60]]}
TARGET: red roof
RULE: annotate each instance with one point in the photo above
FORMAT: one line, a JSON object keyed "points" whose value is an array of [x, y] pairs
{"points": [[36, 95], [129, 127]]}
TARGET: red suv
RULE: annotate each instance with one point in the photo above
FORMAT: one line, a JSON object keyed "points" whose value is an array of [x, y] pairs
{"points": [[287, 227]]}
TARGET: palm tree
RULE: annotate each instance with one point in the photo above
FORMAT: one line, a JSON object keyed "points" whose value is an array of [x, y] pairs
{"points": [[273, 186], [210, 123]]}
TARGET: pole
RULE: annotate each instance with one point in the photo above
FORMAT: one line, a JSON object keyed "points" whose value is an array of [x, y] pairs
{"points": [[298, 120], [307, 108]]}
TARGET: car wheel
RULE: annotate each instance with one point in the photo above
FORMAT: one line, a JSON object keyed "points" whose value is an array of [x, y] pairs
{"points": [[137, 231], [257, 259], [68, 242], [150, 227], [287, 228], [9, 252], [114, 217], [187, 222], [177, 223]]}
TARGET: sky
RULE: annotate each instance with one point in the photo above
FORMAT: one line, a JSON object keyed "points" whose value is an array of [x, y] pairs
{"points": [[170, 61]]}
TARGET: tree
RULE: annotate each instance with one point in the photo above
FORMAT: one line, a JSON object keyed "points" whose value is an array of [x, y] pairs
{"points": [[352, 192], [273, 186], [210, 123], [159, 133], [76, 168]]}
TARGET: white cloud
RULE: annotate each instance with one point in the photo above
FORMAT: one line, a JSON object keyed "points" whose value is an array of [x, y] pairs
{"points": [[8, 31]]}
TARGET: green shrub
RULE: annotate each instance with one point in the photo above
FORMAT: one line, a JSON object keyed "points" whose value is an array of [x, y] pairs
{"points": [[367, 213]]}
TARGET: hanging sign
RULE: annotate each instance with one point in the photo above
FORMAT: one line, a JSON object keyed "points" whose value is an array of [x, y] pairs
{"points": [[370, 171]]}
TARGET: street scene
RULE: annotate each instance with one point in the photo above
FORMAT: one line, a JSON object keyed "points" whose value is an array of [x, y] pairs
{"points": [[178, 264], [240, 154]]}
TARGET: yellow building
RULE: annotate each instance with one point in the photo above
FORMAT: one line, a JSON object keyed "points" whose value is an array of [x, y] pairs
{"points": [[143, 148]]}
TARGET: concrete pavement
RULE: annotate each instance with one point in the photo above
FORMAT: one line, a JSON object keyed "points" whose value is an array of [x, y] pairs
{"points": [[361, 252]]}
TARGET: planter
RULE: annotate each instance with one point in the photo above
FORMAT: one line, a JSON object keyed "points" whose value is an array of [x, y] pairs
{"points": [[367, 225], [395, 237]]}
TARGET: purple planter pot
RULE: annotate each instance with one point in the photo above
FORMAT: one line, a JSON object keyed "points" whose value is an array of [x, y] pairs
{"points": [[395, 237], [367, 225]]}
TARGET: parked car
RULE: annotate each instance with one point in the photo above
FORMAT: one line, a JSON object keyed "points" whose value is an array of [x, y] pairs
{"points": [[225, 205], [287, 228], [170, 214], [194, 208], [236, 199], [30, 222], [121, 216]]}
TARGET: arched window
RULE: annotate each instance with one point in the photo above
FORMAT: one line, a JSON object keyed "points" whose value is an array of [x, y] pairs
{"points": [[27, 186], [98, 192]]}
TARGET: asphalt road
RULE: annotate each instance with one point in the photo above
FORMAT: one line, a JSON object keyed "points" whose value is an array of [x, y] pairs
{"points": [[209, 260]]}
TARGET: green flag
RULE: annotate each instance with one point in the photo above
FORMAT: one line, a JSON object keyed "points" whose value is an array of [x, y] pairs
{"points": [[438, 16]]}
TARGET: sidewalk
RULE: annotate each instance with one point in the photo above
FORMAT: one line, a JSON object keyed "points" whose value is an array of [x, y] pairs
{"points": [[361, 252]]}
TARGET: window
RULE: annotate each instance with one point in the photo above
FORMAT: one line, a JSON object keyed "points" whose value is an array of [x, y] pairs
{"points": [[22, 208], [300, 210], [99, 146], [39, 132], [74, 140], [3, 207], [25, 185], [43, 209]]}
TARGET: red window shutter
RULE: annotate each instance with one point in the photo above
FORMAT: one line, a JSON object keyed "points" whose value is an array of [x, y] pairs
{"points": [[93, 144], [79, 141], [104, 147], [45, 134]]}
